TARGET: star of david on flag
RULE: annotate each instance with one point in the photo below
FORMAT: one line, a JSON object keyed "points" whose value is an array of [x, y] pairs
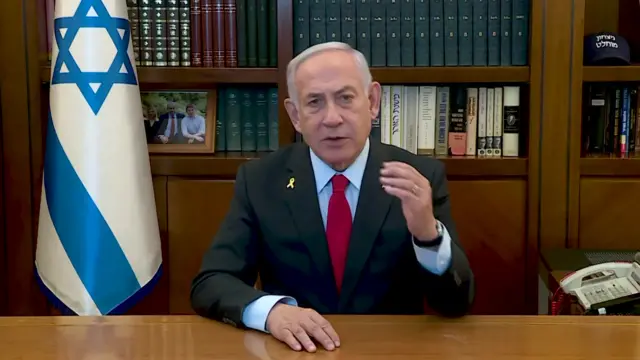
{"points": [[98, 249]]}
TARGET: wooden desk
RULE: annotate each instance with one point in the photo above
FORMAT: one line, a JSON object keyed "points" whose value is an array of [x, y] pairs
{"points": [[363, 337]]}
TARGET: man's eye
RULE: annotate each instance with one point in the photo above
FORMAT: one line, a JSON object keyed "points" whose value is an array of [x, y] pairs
{"points": [[347, 97]]}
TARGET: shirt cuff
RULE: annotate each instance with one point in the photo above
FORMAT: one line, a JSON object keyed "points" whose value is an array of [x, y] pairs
{"points": [[256, 313], [438, 258]]}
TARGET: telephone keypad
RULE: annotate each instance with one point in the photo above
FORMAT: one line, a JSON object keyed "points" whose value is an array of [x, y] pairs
{"points": [[604, 292]]}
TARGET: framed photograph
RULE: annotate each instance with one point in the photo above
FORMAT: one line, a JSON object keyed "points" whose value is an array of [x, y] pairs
{"points": [[179, 121]]}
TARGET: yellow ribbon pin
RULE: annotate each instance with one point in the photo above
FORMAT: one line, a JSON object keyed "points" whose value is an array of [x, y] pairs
{"points": [[291, 184]]}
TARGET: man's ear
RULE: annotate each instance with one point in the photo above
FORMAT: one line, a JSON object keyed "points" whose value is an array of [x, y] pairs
{"points": [[293, 114], [375, 92]]}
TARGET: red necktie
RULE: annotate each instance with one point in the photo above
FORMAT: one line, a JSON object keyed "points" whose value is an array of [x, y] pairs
{"points": [[338, 227]]}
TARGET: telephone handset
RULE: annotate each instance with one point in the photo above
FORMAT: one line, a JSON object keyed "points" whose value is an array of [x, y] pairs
{"points": [[602, 286]]}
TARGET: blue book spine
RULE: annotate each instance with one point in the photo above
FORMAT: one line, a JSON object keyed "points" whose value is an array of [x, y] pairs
{"points": [[520, 30], [436, 27], [465, 32], [450, 32], [624, 122], [493, 30], [480, 32], [506, 9], [422, 20]]}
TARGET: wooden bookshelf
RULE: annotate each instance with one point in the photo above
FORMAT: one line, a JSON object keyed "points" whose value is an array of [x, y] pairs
{"points": [[457, 74], [610, 166], [611, 73], [193, 76], [226, 165]]}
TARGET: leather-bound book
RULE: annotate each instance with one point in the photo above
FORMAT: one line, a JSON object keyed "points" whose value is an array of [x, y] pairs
{"points": [[230, 34], [207, 32], [173, 33], [218, 33], [196, 33], [184, 8], [160, 32]]}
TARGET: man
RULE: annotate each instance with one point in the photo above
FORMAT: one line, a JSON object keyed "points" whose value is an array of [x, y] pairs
{"points": [[193, 126], [172, 123], [339, 226]]}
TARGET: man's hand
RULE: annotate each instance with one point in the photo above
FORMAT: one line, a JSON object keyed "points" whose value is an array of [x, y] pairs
{"points": [[296, 327], [414, 191]]}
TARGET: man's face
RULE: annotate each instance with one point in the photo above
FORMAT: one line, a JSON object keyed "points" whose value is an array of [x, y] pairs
{"points": [[334, 113], [171, 109], [191, 111]]}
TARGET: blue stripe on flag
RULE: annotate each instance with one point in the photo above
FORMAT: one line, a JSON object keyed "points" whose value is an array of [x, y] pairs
{"points": [[90, 244]]}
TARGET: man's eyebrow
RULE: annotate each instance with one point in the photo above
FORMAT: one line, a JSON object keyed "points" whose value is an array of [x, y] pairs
{"points": [[347, 88]]}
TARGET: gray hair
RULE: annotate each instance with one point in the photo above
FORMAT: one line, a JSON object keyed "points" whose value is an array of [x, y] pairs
{"points": [[359, 58]]}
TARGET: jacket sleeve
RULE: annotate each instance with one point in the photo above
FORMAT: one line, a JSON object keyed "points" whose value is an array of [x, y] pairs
{"points": [[224, 286], [451, 293]]}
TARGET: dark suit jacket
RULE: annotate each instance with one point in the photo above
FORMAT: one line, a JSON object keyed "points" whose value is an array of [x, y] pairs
{"points": [[178, 138], [153, 131], [278, 232]]}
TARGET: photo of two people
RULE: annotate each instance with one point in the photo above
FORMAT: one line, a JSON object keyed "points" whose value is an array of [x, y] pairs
{"points": [[175, 117]]}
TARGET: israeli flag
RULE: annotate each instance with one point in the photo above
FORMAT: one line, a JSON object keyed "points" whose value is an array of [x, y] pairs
{"points": [[98, 248]]}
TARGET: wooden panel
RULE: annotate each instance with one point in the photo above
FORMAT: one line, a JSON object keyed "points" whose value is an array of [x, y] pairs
{"points": [[24, 297], [536, 55], [491, 219], [575, 124], [555, 114], [157, 301], [600, 16], [609, 213], [461, 74], [196, 209], [185, 77]]}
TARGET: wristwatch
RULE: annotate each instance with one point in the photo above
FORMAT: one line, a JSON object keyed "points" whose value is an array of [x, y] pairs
{"points": [[434, 242]]}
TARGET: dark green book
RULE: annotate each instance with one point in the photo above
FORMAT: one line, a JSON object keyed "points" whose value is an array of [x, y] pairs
{"points": [[348, 24], [407, 29], [261, 116], [248, 119], [233, 125], [394, 54]]}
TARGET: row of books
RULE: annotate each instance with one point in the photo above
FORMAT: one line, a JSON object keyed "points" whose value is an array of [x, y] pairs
{"points": [[611, 119], [194, 33], [451, 120], [419, 32], [247, 119]]}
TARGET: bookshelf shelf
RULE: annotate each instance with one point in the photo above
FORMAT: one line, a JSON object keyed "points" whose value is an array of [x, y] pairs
{"points": [[454, 74], [611, 73], [173, 76], [610, 166], [226, 165]]}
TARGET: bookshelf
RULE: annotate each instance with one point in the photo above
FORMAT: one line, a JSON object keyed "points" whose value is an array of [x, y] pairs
{"points": [[603, 181], [515, 192]]}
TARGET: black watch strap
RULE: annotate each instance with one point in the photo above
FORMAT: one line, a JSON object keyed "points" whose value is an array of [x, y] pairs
{"points": [[431, 243]]}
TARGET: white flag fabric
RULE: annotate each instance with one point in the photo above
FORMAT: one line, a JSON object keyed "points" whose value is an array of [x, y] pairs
{"points": [[98, 248]]}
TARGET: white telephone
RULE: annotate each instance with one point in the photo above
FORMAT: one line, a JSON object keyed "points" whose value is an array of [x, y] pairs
{"points": [[603, 286]]}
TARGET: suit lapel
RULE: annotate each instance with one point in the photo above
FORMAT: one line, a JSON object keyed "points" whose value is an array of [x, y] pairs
{"points": [[373, 205], [302, 200]]}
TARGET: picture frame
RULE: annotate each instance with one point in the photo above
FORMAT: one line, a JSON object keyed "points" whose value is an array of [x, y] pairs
{"points": [[158, 106]]}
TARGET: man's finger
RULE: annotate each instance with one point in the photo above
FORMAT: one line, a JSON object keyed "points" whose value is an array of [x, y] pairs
{"points": [[400, 193], [328, 329], [404, 168], [397, 182], [289, 339], [319, 334], [304, 338]]}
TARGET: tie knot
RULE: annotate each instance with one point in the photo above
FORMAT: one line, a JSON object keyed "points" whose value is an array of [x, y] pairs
{"points": [[339, 183]]}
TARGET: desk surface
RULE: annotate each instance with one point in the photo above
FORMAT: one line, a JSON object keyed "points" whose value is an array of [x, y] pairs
{"points": [[363, 337]]}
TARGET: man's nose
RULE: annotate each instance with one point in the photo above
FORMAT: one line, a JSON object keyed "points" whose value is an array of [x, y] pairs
{"points": [[332, 117]]}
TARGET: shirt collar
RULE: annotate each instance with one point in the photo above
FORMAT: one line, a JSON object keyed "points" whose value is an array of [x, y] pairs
{"points": [[354, 173]]}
